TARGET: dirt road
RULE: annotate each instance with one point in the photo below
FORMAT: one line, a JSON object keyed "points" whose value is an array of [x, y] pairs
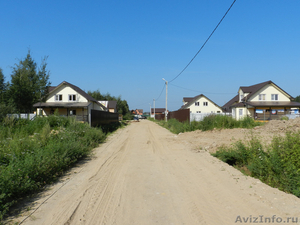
{"points": [[144, 175]]}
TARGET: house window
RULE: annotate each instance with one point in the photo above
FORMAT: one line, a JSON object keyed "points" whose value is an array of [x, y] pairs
{"points": [[72, 98], [205, 103], [73, 112], [218, 111], [241, 96], [262, 97], [196, 103], [241, 112], [274, 97], [58, 98], [198, 111]]}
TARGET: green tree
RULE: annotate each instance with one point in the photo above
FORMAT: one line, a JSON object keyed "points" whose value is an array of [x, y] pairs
{"points": [[2, 87], [95, 94], [28, 83], [122, 105], [297, 99]]}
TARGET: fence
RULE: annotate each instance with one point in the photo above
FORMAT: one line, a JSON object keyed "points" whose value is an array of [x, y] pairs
{"points": [[293, 116], [180, 115], [200, 116], [101, 117], [29, 116]]}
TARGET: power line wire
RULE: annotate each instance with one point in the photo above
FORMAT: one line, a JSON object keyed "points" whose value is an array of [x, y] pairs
{"points": [[203, 44], [160, 92]]}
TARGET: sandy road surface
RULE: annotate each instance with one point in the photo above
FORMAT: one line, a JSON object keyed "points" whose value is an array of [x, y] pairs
{"points": [[145, 175]]}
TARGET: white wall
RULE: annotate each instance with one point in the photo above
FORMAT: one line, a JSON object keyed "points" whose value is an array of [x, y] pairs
{"points": [[66, 91], [210, 108], [268, 90]]}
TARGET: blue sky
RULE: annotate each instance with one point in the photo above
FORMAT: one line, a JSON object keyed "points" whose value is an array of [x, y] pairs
{"points": [[126, 47]]}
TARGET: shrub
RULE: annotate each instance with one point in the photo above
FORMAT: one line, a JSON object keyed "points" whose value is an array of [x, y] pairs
{"points": [[35, 153], [278, 166]]}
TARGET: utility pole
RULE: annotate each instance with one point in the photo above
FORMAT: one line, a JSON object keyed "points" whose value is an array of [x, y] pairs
{"points": [[166, 112], [154, 107], [150, 111]]}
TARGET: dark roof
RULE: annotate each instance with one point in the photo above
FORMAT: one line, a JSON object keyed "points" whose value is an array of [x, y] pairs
{"points": [[255, 88], [112, 105], [50, 88], [188, 99], [227, 105], [194, 99], [158, 110]]}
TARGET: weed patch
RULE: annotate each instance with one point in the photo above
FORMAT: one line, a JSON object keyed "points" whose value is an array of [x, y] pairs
{"points": [[36, 153], [278, 165]]}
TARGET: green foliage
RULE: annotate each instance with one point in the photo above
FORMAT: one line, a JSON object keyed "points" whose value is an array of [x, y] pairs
{"points": [[122, 105], [208, 123], [28, 83], [297, 99], [2, 87], [284, 118], [278, 166], [35, 153]]}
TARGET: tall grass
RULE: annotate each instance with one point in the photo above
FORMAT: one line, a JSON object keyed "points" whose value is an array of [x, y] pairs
{"points": [[208, 123], [35, 153], [278, 165]]}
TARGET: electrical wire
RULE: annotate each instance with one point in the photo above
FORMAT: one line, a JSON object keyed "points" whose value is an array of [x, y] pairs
{"points": [[160, 92], [203, 44]]}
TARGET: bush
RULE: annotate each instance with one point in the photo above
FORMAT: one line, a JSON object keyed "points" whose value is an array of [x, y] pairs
{"points": [[278, 166], [35, 153]]}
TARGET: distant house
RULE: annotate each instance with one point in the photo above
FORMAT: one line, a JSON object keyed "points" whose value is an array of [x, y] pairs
{"points": [[110, 105], [200, 104], [263, 101], [158, 111], [69, 100]]}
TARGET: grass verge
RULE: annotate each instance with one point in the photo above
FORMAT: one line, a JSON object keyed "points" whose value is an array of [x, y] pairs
{"points": [[208, 123]]}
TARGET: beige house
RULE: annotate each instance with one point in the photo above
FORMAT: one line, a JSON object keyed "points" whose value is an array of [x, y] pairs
{"points": [[263, 101], [200, 104], [69, 100]]}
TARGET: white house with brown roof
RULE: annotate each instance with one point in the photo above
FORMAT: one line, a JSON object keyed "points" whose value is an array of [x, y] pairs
{"points": [[200, 104], [264, 101], [69, 100]]}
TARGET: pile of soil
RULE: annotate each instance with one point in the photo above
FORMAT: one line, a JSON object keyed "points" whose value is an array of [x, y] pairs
{"points": [[211, 140]]}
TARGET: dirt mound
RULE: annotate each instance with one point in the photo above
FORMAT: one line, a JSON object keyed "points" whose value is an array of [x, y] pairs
{"points": [[212, 140]]}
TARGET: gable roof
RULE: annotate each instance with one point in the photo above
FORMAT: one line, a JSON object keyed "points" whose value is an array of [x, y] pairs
{"points": [[194, 99], [78, 90], [251, 90], [255, 88]]}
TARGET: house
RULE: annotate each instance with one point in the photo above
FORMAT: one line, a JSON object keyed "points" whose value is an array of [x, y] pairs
{"points": [[69, 100], [200, 104], [110, 105], [158, 111], [263, 101]]}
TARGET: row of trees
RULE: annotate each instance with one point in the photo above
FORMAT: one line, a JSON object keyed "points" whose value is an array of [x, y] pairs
{"points": [[29, 84]]}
